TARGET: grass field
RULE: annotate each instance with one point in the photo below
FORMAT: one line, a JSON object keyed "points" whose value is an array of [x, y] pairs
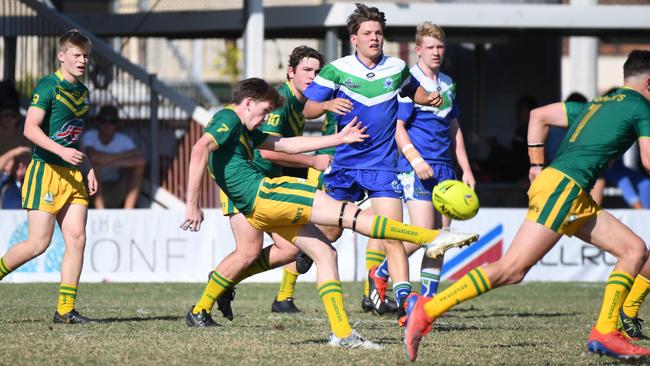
{"points": [[143, 324]]}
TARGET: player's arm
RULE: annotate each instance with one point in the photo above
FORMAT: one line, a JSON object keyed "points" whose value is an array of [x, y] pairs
{"points": [[538, 123], [420, 166], [198, 165], [351, 133], [644, 150], [33, 133], [458, 143], [314, 109], [126, 159], [318, 162], [89, 171]]}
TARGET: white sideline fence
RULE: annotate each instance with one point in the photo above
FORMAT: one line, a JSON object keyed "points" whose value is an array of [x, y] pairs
{"points": [[148, 246]]}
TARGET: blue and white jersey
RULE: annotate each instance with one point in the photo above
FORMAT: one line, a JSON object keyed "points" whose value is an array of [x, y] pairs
{"points": [[427, 126], [373, 92]]}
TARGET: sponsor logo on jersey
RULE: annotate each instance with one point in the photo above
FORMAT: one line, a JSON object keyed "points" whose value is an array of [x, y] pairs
{"points": [[350, 84], [370, 75], [70, 132], [388, 83]]}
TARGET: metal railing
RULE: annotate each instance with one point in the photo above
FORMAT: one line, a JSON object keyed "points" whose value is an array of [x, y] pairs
{"points": [[164, 122]]}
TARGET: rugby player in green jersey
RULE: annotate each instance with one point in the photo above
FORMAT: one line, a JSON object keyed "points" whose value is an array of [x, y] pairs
{"points": [[54, 188], [559, 204], [288, 206]]}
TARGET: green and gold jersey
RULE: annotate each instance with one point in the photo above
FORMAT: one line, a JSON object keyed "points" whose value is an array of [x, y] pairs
{"points": [[328, 128], [601, 131], [287, 121], [231, 164], [65, 106]]}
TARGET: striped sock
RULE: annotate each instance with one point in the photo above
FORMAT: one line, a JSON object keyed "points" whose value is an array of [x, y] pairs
{"points": [[636, 297], [259, 266], [471, 285], [401, 291], [216, 286], [67, 298], [429, 280], [4, 269], [288, 284], [618, 286], [382, 270], [385, 228], [373, 259], [331, 294]]}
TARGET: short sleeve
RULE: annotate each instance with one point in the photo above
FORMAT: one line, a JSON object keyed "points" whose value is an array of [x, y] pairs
{"points": [[275, 122], [409, 86], [324, 86], [43, 94], [405, 109], [643, 122], [223, 129], [455, 111], [573, 111]]}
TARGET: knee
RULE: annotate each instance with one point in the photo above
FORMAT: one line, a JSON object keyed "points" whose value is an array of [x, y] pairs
{"points": [[634, 251], [38, 246], [332, 233], [326, 256], [247, 254], [76, 242], [502, 274]]}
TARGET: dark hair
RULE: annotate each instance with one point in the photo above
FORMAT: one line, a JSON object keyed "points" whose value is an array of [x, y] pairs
{"points": [[301, 52], [576, 97], [76, 38], [364, 13], [108, 111], [258, 90], [637, 63]]}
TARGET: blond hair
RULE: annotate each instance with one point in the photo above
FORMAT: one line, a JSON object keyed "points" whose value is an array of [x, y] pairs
{"points": [[75, 38], [428, 29]]}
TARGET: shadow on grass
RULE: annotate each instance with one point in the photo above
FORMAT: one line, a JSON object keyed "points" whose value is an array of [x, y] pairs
{"points": [[138, 319], [523, 314]]}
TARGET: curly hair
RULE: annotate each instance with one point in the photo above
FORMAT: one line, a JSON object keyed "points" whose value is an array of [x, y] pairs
{"points": [[364, 13]]}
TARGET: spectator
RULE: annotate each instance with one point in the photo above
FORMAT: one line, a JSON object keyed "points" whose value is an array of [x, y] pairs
{"points": [[634, 185], [15, 163], [119, 165], [11, 134], [519, 146]]}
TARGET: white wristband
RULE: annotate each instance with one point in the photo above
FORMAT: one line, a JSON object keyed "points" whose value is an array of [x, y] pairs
{"points": [[407, 147], [417, 161]]}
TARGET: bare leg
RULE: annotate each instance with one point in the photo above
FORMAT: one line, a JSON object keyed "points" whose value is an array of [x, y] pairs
{"points": [[40, 230], [72, 220], [134, 180]]}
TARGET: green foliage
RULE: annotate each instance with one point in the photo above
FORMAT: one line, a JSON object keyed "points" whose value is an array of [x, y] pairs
{"points": [[143, 324], [228, 61]]}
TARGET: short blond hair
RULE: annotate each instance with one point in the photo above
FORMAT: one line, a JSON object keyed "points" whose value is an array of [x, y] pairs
{"points": [[75, 38], [428, 29]]}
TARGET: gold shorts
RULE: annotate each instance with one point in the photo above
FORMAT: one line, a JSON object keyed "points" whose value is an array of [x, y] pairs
{"points": [[49, 187], [227, 206], [283, 206], [315, 178], [559, 203]]}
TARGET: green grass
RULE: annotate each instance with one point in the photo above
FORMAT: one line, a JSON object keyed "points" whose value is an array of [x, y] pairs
{"points": [[143, 324]]}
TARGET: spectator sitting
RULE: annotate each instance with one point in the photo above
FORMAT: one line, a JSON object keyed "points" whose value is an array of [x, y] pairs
{"points": [[119, 165], [519, 145], [11, 135], [15, 163]]}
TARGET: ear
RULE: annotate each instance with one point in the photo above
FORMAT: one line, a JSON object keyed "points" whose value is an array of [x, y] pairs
{"points": [[59, 55], [353, 39], [291, 72]]}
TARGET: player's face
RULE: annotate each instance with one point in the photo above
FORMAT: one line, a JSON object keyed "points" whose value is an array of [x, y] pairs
{"points": [[369, 40], [73, 61], [256, 113], [431, 52], [304, 73]]}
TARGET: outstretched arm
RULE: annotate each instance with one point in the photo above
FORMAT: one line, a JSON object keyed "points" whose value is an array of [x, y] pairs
{"points": [[353, 132], [318, 162], [540, 120], [314, 109]]}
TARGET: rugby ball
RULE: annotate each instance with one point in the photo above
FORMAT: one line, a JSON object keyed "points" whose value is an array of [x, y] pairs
{"points": [[455, 200]]}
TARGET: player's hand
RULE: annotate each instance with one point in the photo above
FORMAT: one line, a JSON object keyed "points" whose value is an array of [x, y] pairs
{"points": [[72, 156], [423, 170], [533, 172], [435, 99], [92, 183], [193, 218], [468, 178], [353, 132], [339, 106], [321, 161]]}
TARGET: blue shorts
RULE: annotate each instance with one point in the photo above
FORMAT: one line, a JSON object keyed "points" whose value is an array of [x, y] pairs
{"points": [[419, 190], [352, 185]]}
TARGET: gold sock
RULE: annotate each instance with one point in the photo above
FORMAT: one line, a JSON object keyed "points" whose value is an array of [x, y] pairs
{"points": [[331, 294], [216, 286], [259, 266], [373, 259], [618, 286], [4, 269], [288, 284], [67, 298], [471, 285], [385, 228], [636, 297]]}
